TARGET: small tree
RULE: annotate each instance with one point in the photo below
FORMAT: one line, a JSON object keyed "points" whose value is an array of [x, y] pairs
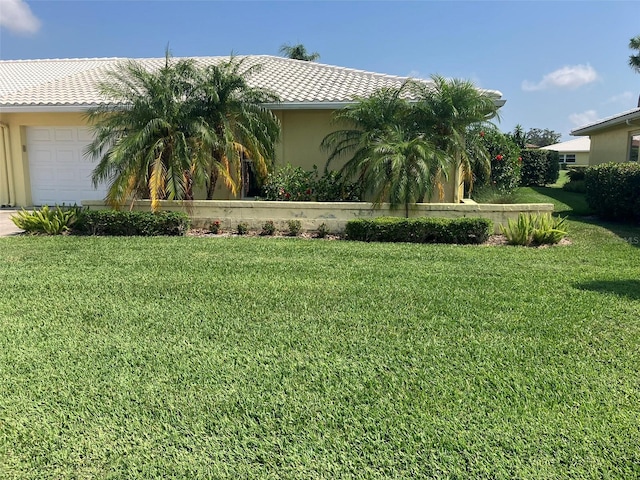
{"points": [[298, 52], [542, 137]]}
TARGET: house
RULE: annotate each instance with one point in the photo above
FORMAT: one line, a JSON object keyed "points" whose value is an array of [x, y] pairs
{"points": [[613, 139], [43, 130], [572, 152]]}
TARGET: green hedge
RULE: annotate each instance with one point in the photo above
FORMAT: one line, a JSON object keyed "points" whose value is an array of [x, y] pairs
{"points": [[539, 167], [117, 223], [613, 190], [420, 230]]}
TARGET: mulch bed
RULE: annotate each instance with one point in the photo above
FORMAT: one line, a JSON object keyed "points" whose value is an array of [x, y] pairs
{"points": [[493, 241]]}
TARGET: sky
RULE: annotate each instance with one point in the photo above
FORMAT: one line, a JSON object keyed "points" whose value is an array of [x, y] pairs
{"points": [[559, 65]]}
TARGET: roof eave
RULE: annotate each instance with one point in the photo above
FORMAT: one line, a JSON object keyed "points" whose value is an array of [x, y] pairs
{"points": [[44, 108], [612, 122], [318, 105]]}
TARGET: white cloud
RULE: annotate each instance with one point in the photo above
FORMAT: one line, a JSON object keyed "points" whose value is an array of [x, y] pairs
{"points": [[16, 16], [625, 98], [579, 119], [571, 76]]}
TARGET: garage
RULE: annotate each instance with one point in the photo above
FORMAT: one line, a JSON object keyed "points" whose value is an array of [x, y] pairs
{"points": [[59, 171]]}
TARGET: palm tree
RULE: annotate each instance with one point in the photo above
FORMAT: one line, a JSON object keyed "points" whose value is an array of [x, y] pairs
{"points": [[298, 52], [369, 119], [445, 111], [166, 131], [519, 136], [238, 124], [393, 160], [634, 60], [144, 138], [403, 168]]}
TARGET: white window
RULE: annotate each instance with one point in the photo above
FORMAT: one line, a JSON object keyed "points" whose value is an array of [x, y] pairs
{"points": [[634, 143], [567, 158]]}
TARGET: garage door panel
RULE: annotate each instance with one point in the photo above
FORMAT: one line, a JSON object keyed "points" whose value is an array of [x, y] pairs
{"points": [[36, 134], [64, 135], [59, 171], [85, 135]]}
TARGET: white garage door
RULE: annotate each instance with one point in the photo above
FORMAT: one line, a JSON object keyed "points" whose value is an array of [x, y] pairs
{"points": [[59, 171]]}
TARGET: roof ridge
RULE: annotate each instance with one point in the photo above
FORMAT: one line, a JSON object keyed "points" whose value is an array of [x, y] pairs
{"points": [[43, 60], [195, 57]]}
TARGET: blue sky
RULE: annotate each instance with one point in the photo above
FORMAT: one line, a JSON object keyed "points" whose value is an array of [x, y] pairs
{"points": [[558, 64]]}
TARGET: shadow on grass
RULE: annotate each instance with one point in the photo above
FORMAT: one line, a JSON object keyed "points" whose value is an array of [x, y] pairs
{"points": [[566, 203], [624, 288]]}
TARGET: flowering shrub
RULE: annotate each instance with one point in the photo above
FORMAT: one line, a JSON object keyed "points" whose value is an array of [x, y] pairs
{"points": [[504, 175], [295, 184], [215, 227]]}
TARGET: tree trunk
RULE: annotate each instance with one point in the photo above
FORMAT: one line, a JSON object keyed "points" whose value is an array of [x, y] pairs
{"points": [[213, 179]]}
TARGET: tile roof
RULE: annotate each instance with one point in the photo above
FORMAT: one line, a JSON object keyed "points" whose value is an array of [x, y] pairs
{"points": [[73, 83], [582, 144]]}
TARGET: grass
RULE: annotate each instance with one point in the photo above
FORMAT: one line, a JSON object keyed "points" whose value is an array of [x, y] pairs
{"points": [[285, 358]]}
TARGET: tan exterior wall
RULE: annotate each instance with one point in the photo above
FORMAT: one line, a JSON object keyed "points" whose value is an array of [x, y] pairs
{"points": [[302, 133], [333, 215], [611, 145], [18, 156], [582, 158]]}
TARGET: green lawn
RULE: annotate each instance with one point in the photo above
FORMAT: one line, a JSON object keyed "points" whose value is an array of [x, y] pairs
{"points": [[284, 358]]}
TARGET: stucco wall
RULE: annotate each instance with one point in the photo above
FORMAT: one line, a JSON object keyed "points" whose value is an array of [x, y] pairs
{"points": [[334, 215], [18, 144], [611, 145], [302, 133], [582, 158]]}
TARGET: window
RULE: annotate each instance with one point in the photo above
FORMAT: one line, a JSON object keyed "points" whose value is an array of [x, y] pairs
{"points": [[634, 143], [567, 158]]}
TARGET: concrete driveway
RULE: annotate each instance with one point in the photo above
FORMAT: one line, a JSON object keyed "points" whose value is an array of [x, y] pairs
{"points": [[6, 225]]}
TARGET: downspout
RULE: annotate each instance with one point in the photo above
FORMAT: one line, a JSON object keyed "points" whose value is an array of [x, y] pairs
{"points": [[6, 169]]}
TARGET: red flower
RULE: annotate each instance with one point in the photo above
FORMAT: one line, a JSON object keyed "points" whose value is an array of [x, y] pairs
{"points": [[308, 191], [499, 158], [520, 159], [482, 134], [287, 195]]}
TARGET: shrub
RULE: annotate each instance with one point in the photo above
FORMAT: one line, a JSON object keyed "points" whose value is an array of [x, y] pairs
{"points": [[577, 173], [295, 184], [322, 231], [295, 226], [504, 175], [576, 186], [49, 221], [288, 183], [539, 167], [613, 190], [419, 230], [534, 229], [242, 228], [118, 223], [215, 227], [268, 228], [332, 187]]}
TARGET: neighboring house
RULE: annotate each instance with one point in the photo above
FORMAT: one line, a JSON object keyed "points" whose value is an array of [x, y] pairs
{"points": [[43, 130], [572, 152], [613, 139]]}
